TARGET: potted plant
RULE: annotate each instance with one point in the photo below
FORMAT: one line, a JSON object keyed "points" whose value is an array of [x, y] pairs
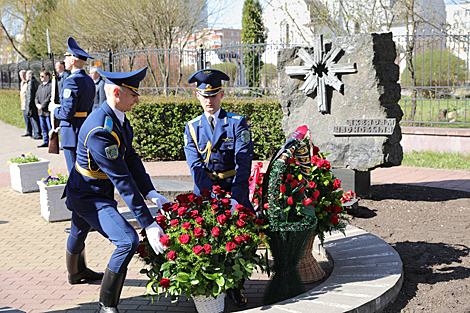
{"points": [[210, 247], [25, 171], [53, 206]]}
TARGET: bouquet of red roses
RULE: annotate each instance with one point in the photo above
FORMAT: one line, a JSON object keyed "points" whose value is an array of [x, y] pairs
{"points": [[210, 246]]}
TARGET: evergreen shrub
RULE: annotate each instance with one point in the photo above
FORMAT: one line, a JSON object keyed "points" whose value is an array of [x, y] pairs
{"points": [[159, 123]]}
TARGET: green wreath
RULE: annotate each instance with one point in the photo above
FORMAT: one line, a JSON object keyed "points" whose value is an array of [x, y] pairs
{"points": [[280, 218]]}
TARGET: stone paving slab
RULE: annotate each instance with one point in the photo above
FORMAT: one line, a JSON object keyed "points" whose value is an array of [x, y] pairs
{"points": [[352, 286], [33, 275]]}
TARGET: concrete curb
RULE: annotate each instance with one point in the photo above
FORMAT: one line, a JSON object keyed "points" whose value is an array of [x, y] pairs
{"points": [[367, 275]]}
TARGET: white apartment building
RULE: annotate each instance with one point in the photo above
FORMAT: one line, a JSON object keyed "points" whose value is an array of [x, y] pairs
{"points": [[458, 21], [211, 39]]}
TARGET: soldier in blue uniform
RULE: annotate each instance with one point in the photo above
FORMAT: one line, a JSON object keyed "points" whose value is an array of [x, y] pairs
{"points": [[106, 160], [218, 147], [76, 100]]}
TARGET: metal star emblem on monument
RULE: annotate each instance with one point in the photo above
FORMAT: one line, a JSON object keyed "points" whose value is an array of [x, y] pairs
{"points": [[320, 71]]}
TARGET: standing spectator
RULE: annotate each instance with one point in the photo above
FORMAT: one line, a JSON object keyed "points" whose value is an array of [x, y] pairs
{"points": [[24, 87], [76, 100], [100, 95], [30, 106], [42, 100], [62, 74]]}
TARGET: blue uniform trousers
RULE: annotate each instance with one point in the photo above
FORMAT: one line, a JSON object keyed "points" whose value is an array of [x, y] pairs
{"points": [[70, 157], [112, 225]]}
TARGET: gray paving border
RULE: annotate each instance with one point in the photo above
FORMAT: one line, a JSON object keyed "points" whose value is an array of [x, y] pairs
{"points": [[367, 275]]}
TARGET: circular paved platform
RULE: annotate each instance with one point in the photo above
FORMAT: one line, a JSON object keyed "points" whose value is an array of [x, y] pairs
{"points": [[367, 271]]}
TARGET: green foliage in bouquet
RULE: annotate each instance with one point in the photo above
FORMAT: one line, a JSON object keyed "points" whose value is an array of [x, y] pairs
{"points": [[209, 248], [302, 185], [28, 158]]}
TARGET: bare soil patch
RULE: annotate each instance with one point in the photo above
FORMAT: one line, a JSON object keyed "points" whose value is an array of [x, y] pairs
{"points": [[430, 229]]}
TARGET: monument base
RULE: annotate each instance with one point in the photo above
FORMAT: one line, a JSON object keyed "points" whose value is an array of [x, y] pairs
{"points": [[357, 181]]}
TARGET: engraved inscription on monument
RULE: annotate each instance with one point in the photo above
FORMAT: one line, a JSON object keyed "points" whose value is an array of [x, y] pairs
{"points": [[363, 127], [368, 97]]}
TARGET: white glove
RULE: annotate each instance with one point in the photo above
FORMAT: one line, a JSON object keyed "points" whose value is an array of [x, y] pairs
{"points": [[154, 232], [157, 198], [52, 106], [233, 202]]}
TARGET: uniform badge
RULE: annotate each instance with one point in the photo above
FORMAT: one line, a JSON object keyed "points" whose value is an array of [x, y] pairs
{"points": [[228, 139], [112, 152], [208, 86], [245, 136], [67, 93], [207, 72]]}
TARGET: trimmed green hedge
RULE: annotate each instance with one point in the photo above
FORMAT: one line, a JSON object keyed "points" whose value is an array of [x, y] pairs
{"points": [[10, 108], [159, 125]]}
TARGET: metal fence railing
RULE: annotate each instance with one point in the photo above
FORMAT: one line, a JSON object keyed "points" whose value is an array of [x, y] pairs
{"points": [[438, 90], [435, 92]]}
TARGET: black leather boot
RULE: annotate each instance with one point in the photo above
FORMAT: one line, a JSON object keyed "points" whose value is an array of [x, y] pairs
{"points": [[110, 292], [237, 297], [78, 272]]}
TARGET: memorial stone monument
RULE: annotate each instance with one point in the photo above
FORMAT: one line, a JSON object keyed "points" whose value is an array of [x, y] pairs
{"points": [[345, 90]]}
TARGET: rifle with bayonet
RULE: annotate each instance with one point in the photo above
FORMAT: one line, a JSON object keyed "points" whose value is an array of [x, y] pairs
{"points": [[54, 132]]}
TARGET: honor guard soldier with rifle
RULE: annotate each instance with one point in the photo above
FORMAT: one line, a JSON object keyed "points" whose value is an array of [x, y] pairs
{"points": [[107, 161], [76, 100], [218, 148]]}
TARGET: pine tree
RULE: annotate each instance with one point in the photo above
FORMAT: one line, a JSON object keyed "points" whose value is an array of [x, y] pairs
{"points": [[253, 33]]}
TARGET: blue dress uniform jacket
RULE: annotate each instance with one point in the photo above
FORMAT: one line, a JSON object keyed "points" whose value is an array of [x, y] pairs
{"points": [[76, 99], [106, 159], [229, 147]]}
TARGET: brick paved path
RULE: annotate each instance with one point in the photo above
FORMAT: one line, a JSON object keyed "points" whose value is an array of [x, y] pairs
{"points": [[33, 277]]}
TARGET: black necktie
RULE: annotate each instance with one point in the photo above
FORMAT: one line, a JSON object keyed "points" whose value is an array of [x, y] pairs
{"points": [[211, 122]]}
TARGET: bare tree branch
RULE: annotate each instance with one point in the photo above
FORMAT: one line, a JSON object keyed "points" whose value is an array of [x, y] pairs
{"points": [[11, 41]]}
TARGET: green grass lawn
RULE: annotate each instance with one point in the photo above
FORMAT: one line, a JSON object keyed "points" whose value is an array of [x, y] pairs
{"points": [[455, 161], [432, 111], [10, 108], [10, 112]]}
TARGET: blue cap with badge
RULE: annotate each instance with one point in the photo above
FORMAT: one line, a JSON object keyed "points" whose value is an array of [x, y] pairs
{"points": [[76, 51], [209, 81], [130, 80]]}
